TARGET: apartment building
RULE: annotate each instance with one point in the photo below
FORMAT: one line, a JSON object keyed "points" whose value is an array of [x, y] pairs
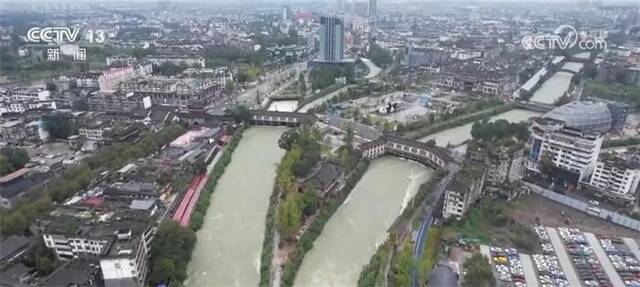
{"points": [[116, 102], [174, 91], [88, 80], [570, 136], [616, 176], [504, 164], [191, 61], [121, 60], [463, 190], [485, 77], [21, 107], [423, 56], [111, 78], [28, 94]]}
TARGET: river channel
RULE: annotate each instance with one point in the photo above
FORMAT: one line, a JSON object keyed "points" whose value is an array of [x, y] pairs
{"points": [[458, 135], [229, 244], [360, 224]]}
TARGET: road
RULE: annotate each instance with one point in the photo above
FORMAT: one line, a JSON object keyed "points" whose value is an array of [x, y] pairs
{"points": [[418, 250], [360, 130], [374, 70], [274, 80], [321, 100]]}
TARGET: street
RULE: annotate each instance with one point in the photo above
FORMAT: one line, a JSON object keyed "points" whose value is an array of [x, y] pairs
{"points": [[452, 169], [273, 80]]}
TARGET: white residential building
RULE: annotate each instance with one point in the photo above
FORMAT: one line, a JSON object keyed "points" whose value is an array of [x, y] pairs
{"points": [[616, 176], [21, 107], [111, 78], [571, 137], [463, 190], [29, 94], [69, 247], [191, 61]]}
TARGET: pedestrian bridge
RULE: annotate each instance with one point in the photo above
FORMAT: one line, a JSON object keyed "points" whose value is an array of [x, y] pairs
{"points": [[421, 152]]}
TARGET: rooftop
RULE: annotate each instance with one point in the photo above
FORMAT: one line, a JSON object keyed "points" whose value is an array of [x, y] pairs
{"points": [[585, 116], [464, 178]]}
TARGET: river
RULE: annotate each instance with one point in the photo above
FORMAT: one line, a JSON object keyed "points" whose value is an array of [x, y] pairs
{"points": [[352, 234], [229, 244], [553, 88], [458, 135]]}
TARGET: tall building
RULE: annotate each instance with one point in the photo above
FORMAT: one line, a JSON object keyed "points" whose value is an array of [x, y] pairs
{"points": [[373, 8], [570, 136], [361, 8], [340, 5], [331, 39]]}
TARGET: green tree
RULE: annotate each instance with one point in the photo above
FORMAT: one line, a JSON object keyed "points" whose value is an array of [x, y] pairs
{"points": [[525, 95], [50, 86], [58, 126], [590, 70], [379, 56], [478, 272], [546, 164], [287, 139], [241, 113], [348, 138], [564, 99], [289, 216], [230, 86], [45, 264], [5, 166], [169, 69], [172, 243], [309, 200], [17, 157], [401, 266], [164, 271]]}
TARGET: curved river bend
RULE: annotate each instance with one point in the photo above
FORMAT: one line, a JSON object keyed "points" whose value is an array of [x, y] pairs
{"points": [[229, 244]]}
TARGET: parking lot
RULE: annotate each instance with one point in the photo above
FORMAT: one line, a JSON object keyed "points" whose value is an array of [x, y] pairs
{"points": [[623, 260], [507, 266], [590, 270], [569, 257]]}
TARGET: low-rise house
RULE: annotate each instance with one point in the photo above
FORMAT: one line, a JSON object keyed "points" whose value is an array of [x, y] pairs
{"points": [[13, 131], [13, 187], [325, 178], [16, 275], [13, 248], [79, 272]]}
